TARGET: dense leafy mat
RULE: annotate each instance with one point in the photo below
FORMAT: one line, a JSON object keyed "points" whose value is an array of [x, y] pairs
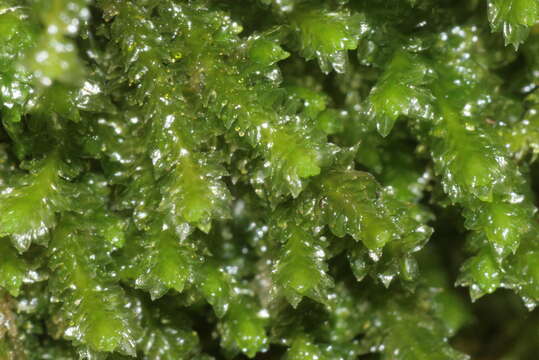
{"points": [[209, 179]]}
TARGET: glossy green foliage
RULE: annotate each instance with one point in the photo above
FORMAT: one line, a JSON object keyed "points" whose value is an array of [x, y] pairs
{"points": [[12, 268], [399, 92], [29, 206], [241, 320], [303, 348], [93, 306], [163, 336], [156, 261], [300, 269], [513, 18], [326, 36], [417, 327], [210, 179]]}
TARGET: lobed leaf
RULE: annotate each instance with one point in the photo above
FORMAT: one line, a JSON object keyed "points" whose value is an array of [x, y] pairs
{"points": [[513, 18], [300, 269], [158, 260], [13, 269], [327, 35], [29, 207], [95, 311]]}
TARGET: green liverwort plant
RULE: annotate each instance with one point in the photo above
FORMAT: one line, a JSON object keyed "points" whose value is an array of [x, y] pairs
{"points": [[269, 179]]}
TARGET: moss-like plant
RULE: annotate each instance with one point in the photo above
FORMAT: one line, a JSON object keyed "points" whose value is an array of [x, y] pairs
{"points": [[271, 179]]}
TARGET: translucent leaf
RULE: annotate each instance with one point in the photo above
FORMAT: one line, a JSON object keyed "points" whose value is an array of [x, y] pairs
{"points": [[241, 320], [399, 92], [307, 101], [17, 36], [472, 173], [300, 269], [477, 172], [504, 223], [158, 260], [408, 339], [302, 348], [481, 273], [243, 327], [13, 268], [216, 286], [28, 208], [327, 36], [94, 308], [352, 204], [193, 193], [523, 273], [54, 56], [294, 156], [522, 137], [513, 18], [165, 337], [265, 52], [401, 329], [468, 159]]}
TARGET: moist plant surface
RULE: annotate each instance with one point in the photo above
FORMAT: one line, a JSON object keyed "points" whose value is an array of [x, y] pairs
{"points": [[269, 179]]}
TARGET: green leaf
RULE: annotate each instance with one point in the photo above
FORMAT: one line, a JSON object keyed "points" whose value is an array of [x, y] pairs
{"points": [[13, 269], [164, 336], [17, 36], [523, 273], [407, 339], [54, 56], [95, 312], [300, 269], [399, 92], [241, 320], [522, 137], [29, 207], [514, 18], [327, 35], [481, 273], [243, 327], [468, 158], [158, 260], [401, 329], [194, 194], [265, 52], [352, 203], [216, 286], [397, 258], [477, 172], [308, 101], [302, 348], [504, 223]]}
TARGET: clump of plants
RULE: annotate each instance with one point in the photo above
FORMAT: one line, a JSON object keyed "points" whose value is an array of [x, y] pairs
{"points": [[269, 179]]}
